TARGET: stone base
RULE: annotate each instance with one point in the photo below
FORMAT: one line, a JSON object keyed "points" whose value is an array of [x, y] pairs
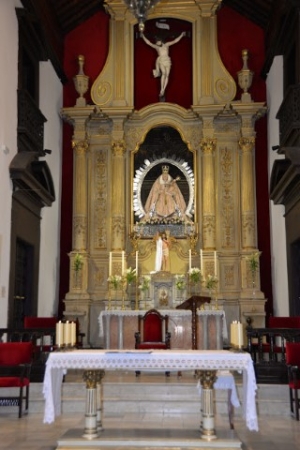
{"points": [[157, 439]]}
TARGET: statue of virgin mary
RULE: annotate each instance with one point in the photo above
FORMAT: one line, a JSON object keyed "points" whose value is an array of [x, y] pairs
{"points": [[165, 200]]}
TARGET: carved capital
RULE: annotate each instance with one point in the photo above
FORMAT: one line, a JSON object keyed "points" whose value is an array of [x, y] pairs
{"points": [[208, 145], [80, 147], [118, 148], [92, 377], [247, 144], [207, 378]]}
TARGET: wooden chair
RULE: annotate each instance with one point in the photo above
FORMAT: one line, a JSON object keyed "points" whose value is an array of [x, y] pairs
{"points": [[152, 332], [293, 363], [15, 366], [44, 342]]}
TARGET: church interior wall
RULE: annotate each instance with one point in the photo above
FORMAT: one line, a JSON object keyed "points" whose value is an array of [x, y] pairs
{"points": [[8, 138], [50, 104], [277, 212]]}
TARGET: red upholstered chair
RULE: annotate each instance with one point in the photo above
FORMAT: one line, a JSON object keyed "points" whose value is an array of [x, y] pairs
{"points": [[153, 332], [293, 363], [15, 366]]}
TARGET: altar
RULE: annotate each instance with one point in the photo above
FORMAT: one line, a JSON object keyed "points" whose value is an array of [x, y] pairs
{"points": [[96, 362], [117, 328]]}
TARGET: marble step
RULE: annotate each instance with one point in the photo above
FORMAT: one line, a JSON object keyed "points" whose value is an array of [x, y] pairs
{"points": [[155, 393]]}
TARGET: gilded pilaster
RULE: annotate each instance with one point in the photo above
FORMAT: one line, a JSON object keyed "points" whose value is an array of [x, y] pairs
{"points": [[118, 195], [247, 192], [80, 195], [208, 194]]}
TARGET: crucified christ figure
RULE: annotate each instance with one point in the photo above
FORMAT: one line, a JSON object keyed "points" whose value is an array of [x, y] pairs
{"points": [[163, 61]]}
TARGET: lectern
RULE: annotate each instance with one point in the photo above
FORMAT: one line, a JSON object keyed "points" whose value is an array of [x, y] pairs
{"points": [[193, 303]]}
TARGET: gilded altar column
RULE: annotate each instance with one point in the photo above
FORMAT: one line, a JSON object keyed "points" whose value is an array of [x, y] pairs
{"points": [[247, 193], [118, 195], [208, 194]]}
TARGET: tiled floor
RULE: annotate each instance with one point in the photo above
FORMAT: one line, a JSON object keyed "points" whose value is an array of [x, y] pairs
{"points": [[29, 433]]}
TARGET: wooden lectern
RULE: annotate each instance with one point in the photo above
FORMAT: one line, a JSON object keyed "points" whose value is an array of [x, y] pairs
{"points": [[193, 303]]}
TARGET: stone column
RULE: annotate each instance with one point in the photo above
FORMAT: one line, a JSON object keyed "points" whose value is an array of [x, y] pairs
{"points": [[247, 193], [207, 379], [118, 196], [208, 194], [92, 415]]}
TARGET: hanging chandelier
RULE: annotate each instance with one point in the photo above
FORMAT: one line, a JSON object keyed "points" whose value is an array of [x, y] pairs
{"points": [[140, 9]]}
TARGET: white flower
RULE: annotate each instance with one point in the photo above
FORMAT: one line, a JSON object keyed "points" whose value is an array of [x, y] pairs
{"points": [[195, 274], [211, 282], [115, 280]]}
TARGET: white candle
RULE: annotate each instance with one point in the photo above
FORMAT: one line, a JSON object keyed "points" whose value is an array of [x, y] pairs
{"points": [[59, 333], [136, 262], [110, 264], [123, 263], [240, 335], [215, 261], [73, 333], [190, 259], [67, 333], [201, 260]]}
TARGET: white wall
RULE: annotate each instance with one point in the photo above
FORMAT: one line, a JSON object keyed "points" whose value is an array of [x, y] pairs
{"points": [[8, 136], [50, 105], [278, 234]]}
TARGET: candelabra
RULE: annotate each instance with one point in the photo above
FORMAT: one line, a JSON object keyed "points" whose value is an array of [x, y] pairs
{"points": [[140, 9]]}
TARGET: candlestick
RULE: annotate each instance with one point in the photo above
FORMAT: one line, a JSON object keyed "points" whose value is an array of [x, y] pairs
{"points": [[123, 262], [136, 262], [201, 260], [190, 259], [110, 264], [215, 263]]}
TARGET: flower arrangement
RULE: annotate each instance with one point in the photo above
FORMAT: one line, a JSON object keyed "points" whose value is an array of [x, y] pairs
{"points": [[254, 262], [195, 275], [180, 282], [130, 275], [211, 282], [115, 281], [78, 262], [145, 283]]}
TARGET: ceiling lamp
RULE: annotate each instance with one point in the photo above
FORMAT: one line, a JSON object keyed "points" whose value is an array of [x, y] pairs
{"points": [[140, 9]]}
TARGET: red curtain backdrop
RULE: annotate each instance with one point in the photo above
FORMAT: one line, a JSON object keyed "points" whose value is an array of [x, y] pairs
{"points": [[235, 33]]}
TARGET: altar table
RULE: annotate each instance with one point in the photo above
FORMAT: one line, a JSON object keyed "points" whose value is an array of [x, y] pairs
{"points": [[118, 327], [94, 362]]}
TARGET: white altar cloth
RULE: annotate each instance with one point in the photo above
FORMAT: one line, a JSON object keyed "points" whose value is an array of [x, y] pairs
{"points": [[155, 360], [172, 313]]}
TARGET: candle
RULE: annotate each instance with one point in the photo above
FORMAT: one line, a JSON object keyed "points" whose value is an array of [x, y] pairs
{"points": [[59, 334], [201, 260], [110, 264], [240, 335], [73, 333], [67, 333], [136, 262], [190, 259], [123, 263], [215, 261]]}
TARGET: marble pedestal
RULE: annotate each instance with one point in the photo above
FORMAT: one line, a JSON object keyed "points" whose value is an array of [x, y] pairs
{"points": [[158, 439]]}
